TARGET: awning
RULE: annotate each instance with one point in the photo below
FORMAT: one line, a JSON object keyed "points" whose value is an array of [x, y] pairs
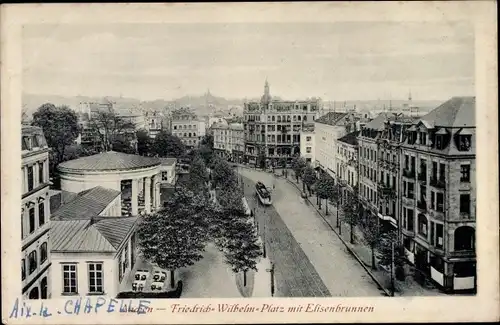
{"points": [[465, 131], [388, 218]]}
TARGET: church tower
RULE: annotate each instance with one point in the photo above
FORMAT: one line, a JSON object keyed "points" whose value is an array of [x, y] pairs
{"points": [[266, 98]]}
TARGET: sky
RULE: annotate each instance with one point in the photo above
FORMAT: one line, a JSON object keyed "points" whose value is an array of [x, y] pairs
{"points": [[334, 61]]}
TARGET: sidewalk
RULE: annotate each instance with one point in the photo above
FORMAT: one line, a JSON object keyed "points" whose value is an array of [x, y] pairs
{"points": [[363, 253]]}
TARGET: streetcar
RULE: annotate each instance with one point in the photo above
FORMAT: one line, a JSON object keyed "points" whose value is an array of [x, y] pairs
{"points": [[263, 193]]}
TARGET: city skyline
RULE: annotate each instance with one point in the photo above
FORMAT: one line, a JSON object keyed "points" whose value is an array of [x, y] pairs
{"points": [[334, 61]]}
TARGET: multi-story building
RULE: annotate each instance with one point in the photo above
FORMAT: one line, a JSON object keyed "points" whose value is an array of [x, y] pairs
{"points": [[439, 194], [328, 129], [379, 167], [153, 123], [186, 126], [272, 128], [347, 159], [307, 144], [35, 215], [229, 141]]}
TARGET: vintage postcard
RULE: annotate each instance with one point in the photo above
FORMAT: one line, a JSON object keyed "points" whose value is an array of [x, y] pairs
{"points": [[206, 163]]}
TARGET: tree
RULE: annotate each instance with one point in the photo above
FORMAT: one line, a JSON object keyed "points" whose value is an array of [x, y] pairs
{"points": [[298, 166], [168, 145], [176, 236], [198, 175], [144, 142], [308, 177], [371, 235], [109, 127], [208, 141], [351, 212], [385, 253], [223, 175], [325, 188], [122, 145], [206, 153], [243, 248], [60, 127]]}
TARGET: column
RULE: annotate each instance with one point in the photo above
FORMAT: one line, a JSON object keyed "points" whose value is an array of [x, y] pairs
{"points": [[135, 194], [36, 180], [25, 176], [147, 195], [157, 192]]}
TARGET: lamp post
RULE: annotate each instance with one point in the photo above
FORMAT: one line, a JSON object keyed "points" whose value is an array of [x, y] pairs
{"points": [[271, 271]]}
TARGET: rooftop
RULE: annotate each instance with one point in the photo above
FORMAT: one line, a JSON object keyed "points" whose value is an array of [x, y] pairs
{"points": [[379, 122], [331, 118], [108, 161], [457, 112], [86, 204], [168, 161], [99, 234], [350, 138]]}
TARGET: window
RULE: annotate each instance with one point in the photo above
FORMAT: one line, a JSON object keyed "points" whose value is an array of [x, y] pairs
{"points": [[95, 278], [32, 260], [439, 235], [411, 189], [423, 138], [69, 279], [433, 198], [440, 202], [407, 162], [41, 214], [464, 142], [41, 173], [465, 173], [308, 138], [410, 220], [32, 224], [30, 178], [465, 203], [422, 225], [23, 269], [175, 127], [464, 238], [442, 171], [43, 253], [432, 233], [308, 149]]}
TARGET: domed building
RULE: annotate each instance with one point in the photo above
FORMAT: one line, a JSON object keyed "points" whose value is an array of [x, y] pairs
{"points": [[138, 178]]}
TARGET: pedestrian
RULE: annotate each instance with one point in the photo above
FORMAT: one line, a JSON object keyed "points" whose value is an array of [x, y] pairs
{"points": [[274, 185]]}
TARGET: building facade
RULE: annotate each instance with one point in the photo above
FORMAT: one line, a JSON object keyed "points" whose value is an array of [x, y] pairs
{"points": [[35, 215], [307, 144], [272, 128], [347, 160], [186, 126], [328, 129], [229, 141], [92, 256], [153, 123], [439, 194]]}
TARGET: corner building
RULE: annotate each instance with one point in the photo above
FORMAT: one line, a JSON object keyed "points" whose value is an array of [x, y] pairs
{"points": [[272, 128], [35, 215], [439, 194]]}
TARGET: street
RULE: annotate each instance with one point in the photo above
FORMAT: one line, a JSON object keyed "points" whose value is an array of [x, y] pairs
{"points": [[310, 259]]}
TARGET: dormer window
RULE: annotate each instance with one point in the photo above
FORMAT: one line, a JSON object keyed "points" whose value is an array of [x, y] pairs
{"points": [[464, 142], [423, 138]]}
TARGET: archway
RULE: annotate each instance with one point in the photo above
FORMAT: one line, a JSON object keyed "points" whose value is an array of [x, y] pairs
{"points": [[464, 238], [43, 285], [34, 293]]}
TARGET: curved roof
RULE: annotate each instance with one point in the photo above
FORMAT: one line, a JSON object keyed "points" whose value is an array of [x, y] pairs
{"points": [[108, 161]]}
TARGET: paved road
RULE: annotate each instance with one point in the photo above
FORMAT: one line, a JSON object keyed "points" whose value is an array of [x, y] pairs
{"points": [[209, 278], [297, 232], [295, 275]]}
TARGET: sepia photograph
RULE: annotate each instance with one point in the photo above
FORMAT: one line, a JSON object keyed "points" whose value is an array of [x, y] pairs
{"points": [[308, 159]]}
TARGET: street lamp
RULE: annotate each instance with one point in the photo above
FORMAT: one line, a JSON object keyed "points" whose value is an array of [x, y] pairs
{"points": [[271, 270]]}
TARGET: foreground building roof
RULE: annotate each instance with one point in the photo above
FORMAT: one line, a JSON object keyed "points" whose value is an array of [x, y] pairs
{"points": [[168, 161], [94, 235], [86, 204], [109, 161], [456, 112]]}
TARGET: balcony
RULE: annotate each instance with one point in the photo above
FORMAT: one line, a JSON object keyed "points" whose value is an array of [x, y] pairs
{"points": [[409, 173], [422, 177], [386, 191], [438, 183], [422, 205]]}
